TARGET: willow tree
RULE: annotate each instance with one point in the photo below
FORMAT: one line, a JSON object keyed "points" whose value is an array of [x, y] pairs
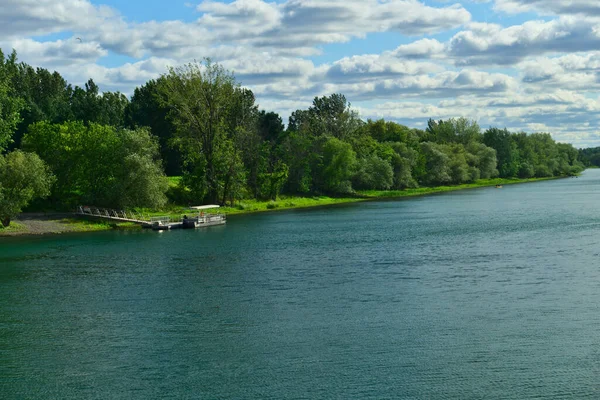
{"points": [[209, 110]]}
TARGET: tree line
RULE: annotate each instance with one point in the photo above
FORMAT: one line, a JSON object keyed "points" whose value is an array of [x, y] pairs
{"points": [[72, 145]]}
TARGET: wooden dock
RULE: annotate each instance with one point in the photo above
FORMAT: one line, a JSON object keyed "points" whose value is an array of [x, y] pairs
{"points": [[113, 215], [155, 223]]}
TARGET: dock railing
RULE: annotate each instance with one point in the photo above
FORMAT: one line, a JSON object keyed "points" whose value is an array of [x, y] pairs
{"points": [[112, 214]]}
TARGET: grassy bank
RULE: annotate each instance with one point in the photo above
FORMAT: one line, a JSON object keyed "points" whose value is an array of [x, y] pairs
{"points": [[35, 224], [293, 202], [441, 189], [44, 224]]}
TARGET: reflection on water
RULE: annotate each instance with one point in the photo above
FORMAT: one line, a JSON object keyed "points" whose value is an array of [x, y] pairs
{"points": [[483, 293]]}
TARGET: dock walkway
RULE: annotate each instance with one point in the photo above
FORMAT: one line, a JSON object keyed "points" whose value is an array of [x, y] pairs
{"points": [[156, 223], [113, 215]]}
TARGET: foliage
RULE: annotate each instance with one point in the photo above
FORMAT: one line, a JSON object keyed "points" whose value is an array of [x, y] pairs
{"points": [[10, 104], [146, 109], [100, 165], [373, 173], [23, 177], [209, 110], [198, 123]]}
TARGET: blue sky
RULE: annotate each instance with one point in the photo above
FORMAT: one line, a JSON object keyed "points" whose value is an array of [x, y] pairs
{"points": [[529, 65]]}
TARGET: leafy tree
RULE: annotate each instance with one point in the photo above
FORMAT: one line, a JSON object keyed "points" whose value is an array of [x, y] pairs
{"points": [[23, 177], [455, 130], [328, 115], [46, 97], [507, 152], [10, 104], [457, 164], [89, 106], [147, 110], [482, 158], [374, 173], [404, 162], [100, 165], [208, 108], [437, 164], [299, 151], [336, 166]]}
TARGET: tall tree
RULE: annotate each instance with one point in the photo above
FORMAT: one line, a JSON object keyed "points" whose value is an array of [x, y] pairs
{"points": [[208, 107], [146, 109], [10, 104]]}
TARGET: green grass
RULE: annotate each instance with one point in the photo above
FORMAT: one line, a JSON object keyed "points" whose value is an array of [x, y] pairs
{"points": [[84, 225], [441, 189], [14, 227], [284, 203], [290, 202]]}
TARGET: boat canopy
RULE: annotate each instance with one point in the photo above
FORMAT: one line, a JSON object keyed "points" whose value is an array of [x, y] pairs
{"points": [[204, 207]]}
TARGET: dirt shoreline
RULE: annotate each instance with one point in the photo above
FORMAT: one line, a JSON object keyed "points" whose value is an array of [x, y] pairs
{"points": [[35, 224]]}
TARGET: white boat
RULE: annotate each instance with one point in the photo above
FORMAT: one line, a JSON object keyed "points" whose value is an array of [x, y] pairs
{"points": [[203, 219]]}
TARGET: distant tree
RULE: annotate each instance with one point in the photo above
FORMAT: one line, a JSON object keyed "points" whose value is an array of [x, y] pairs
{"points": [[23, 177], [507, 152], [328, 116], [455, 130], [437, 164], [89, 106], [146, 109], [336, 167], [373, 173], [482, 158], [10, 104], [46, 97], [299, 152]]}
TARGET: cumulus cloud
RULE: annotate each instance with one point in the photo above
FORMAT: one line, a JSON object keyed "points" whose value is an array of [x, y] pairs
{"points": [[489, 44], [550, 7], [40, 17], [537, 75], [56, 54]]}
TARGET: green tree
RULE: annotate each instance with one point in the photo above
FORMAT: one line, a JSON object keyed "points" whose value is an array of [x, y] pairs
{"points": [[10, 104], [23, 177], [208, 108], [437, 164], [373, 173], [455, 130], [328, 115], [146, 109], [336, 167], [507, 152], [46, 97], [100, 165]]}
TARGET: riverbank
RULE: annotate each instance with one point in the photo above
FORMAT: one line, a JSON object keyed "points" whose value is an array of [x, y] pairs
{"points": [[33, 224], [56, 223]]}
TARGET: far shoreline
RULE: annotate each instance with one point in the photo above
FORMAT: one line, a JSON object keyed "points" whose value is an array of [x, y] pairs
{"points": [[56, 223]]}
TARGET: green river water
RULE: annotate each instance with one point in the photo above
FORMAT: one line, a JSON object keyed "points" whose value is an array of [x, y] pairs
{"points": [[478, 294]]}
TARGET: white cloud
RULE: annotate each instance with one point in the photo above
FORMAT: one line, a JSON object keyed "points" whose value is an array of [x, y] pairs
{"points": [[60, 53], [538, 75], [550, 7], [488, 44]]}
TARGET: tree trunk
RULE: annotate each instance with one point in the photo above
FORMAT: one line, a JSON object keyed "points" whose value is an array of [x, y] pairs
{"points": [[6, 222]]}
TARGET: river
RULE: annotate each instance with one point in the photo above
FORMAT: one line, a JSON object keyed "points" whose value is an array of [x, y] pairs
{"points": [[485, 293]]}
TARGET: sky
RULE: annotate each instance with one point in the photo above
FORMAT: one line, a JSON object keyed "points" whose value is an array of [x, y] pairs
{"points": [[527, 65]]}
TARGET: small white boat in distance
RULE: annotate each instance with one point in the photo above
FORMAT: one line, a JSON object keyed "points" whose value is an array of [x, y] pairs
{"points": [[203, 219]]}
